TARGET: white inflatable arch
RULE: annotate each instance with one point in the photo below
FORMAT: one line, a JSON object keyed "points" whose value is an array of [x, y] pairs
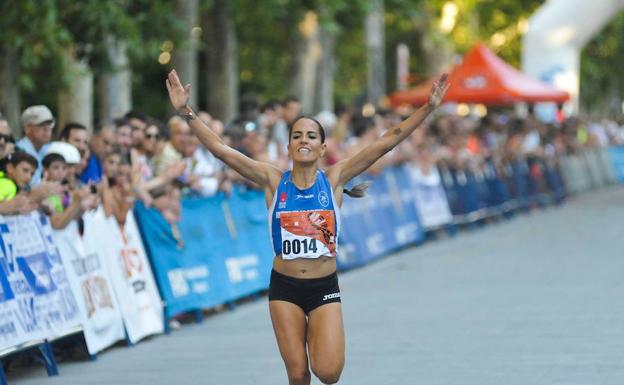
{"points": [[558, 31]]}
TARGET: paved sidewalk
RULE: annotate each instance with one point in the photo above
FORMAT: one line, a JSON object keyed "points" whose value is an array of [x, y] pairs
{"points": [[534, 300]]}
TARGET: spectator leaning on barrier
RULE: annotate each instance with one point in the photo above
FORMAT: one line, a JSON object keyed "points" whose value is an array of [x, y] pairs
{"points": [[199, 174], [19, 171], [144, 179], [103, 142], [76, 134], [123, 137], [38, 123], [138, 122], [143, 153], [18, 177], [11, 201], [118, 193], [69, 204]]}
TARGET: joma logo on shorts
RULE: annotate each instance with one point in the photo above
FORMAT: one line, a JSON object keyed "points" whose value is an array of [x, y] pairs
{"points": [[331, 296]]}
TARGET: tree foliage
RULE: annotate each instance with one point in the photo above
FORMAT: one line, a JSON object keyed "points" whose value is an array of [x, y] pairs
{"points": [[602, 82], [267, 33]]}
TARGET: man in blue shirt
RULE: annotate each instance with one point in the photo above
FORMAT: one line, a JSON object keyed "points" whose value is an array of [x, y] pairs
{"points": [[38, 123]]}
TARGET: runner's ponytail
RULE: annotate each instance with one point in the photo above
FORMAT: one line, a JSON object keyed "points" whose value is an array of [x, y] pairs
{"points": [[357, 191]]}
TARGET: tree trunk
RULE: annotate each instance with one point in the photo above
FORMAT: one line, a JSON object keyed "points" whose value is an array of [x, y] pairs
{"points": [[184, 58], [307, 56], [221, 62], [375, 43], [115, 87], [402, 68], [10, 95], [76, 101], [437, 50], [325, 72]]}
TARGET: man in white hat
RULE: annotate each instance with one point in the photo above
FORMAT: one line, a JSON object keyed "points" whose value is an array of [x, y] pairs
{"points": [[38, 123]]}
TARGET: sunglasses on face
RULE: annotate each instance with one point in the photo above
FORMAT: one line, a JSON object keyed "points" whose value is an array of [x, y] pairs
{"points": [[7, 138], [152, 136]]}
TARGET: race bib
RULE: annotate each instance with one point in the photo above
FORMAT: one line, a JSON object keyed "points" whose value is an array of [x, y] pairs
{"points": [[307, 234]]}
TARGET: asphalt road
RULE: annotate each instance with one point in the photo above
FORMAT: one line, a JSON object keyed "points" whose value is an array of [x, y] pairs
{"points": [[533, 300]]}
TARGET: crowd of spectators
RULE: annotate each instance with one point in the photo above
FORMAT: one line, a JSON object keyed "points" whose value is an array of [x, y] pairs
{"points": [[140, 158]]}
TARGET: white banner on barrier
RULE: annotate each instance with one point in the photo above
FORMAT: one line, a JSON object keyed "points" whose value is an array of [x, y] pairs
{"points": [[37, 300], [83, 259], [131, 275], [429, 197]]}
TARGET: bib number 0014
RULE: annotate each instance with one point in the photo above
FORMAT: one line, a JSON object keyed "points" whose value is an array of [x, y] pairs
{"points": [[295, 246]]}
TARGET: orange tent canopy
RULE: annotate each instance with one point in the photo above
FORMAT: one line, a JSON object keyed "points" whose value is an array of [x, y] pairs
{"points": [[484, 78]]}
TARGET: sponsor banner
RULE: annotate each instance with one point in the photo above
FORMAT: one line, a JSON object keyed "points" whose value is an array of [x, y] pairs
{"points": [[37, 300], [12, 332], [359, 239], [184, 272], [429, 196], [381, 207], [408, 228], [225, 255], [617, 159], [84, 263], [130, 273], [383, 220], [249, 256]]}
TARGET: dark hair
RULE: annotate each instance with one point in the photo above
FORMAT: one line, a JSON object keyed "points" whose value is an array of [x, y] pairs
{"points": [[271, 104], [290, 99], [357, 191], [51, 158], [68, 129], [163, 130], [135, 114], [361, 124], [120, 122], [320, 127], [20, 156]]}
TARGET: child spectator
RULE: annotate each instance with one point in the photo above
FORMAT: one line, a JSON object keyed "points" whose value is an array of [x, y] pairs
{"points": [[19, 171], [71, 202]]}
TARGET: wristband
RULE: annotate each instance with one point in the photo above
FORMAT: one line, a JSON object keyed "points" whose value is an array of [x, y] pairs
{"points": [[190, 115]]}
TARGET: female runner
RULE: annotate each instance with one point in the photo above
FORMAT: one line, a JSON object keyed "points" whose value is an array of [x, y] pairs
{"points": [[304, 298]]}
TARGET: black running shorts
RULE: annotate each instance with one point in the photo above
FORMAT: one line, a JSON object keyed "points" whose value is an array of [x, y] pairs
{"points": [[307, 293]]}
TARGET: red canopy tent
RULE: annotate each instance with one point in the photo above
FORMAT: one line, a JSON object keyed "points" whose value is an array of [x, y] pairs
{"points": [[484, 78]]}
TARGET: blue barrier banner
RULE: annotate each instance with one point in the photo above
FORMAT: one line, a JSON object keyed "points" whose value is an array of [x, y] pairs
{"points": [[357, 238], [408, 228], [380, 206], [183, 277], [36, 301], [426, 192], [617, 157], [226, 253], [384, 220], [498, 191], [247, 251]]}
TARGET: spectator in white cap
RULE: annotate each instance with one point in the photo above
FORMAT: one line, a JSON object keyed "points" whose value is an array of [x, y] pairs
{"points": [[38, 123], [69, 204]]}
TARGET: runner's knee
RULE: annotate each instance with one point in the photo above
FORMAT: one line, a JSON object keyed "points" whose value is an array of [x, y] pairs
{"points": [[328, 376], [298, 374]]}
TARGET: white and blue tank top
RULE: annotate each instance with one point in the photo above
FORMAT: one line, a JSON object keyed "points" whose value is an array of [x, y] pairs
{"points": [[304, 223]]}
